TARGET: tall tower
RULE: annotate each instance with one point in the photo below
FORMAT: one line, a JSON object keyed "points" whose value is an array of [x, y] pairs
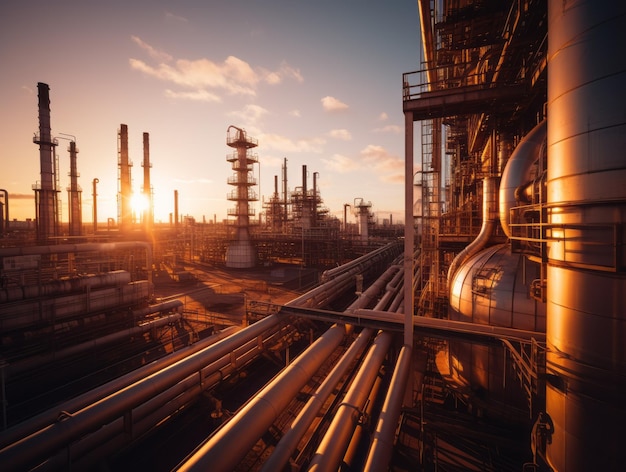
{"points": [[125, 213], [148, 211], [241, 252], [46, 199], [74, 194]]}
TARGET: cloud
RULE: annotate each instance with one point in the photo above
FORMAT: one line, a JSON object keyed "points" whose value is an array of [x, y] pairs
{"points": [[295, 113], [21, 196], [285, 144], [173, 17], [233, 75], [394, 129], [196, 95], [383, 116], [332, 104], [250, 115], [377, 158], [340, 163], [285, 71], [342, 134], [160, 56]]}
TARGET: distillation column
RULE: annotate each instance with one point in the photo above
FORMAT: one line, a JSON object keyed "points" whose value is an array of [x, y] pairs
{"points": [[148, 210], [241, 252], [74, 194], [46, 199], [586, 274], [125, 214]]}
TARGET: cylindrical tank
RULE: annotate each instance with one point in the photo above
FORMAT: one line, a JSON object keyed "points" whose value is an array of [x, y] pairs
{"points": [[491, 288], [586, 307]]}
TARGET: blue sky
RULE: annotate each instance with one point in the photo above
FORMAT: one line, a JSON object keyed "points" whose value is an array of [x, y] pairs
{"points": [[318, 83]]}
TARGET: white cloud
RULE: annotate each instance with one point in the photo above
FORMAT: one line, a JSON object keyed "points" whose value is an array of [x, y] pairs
{"points": [[380, 160], [196, 95], [251, 114], [383, 116], [285, 144], [342, 134], [172, 16], [332, 104], [160, 56], [340, 163], [233, 75], [295, 113], [394, 129]]}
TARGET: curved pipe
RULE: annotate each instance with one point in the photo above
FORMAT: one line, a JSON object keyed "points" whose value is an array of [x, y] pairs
{"points": [[517, 171], [335, 443], [490, 222]]}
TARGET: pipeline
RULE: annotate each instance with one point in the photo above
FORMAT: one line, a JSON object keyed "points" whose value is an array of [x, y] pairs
{"points": [[30, 451], [47, 417], [490, 223], [64, 286], [52, 310], [86, 452], [225, 448], [87, 247], [335, 443], [381, 449], [36, 361], [288, 443], [382, 253], [517, 172]]}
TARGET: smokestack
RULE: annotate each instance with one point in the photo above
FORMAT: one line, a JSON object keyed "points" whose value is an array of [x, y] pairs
{"points": [[147, 195], [124, 206], [95, 205], [46, 199], [176, 208], [74, 195]]}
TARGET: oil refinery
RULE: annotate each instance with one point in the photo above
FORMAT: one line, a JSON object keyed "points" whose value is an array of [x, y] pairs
{"points": [[486, 332]]}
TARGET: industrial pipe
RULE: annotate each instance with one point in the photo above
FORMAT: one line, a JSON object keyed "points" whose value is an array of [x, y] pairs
{"points": [[225, 448], [490, 223], [26, 428], [381, 449], [87, 247], [288, 443], [517, 171], [333, 447]]}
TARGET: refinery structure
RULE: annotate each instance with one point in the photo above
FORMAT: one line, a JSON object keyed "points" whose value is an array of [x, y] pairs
{"points": [[485, 333]]}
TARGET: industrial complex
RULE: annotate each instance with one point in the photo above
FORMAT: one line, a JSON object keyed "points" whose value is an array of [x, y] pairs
{"points": [[485, 332]]}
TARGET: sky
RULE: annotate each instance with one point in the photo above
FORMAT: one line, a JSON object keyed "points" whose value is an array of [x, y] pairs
{"points": [[315, 82]]}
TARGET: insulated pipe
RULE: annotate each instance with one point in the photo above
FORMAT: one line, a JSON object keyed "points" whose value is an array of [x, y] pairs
{"points": [[381, 449], [26, 428], [517, 171], [29, 451], [490, 222], [33, 362], [290, 439], [225, 448], [288, 443], [88, 247], [65, 286], [113, 436], [335, 443]]}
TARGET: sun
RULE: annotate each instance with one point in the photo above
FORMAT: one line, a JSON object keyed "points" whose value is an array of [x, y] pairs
{"points": [[138, 203]]}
